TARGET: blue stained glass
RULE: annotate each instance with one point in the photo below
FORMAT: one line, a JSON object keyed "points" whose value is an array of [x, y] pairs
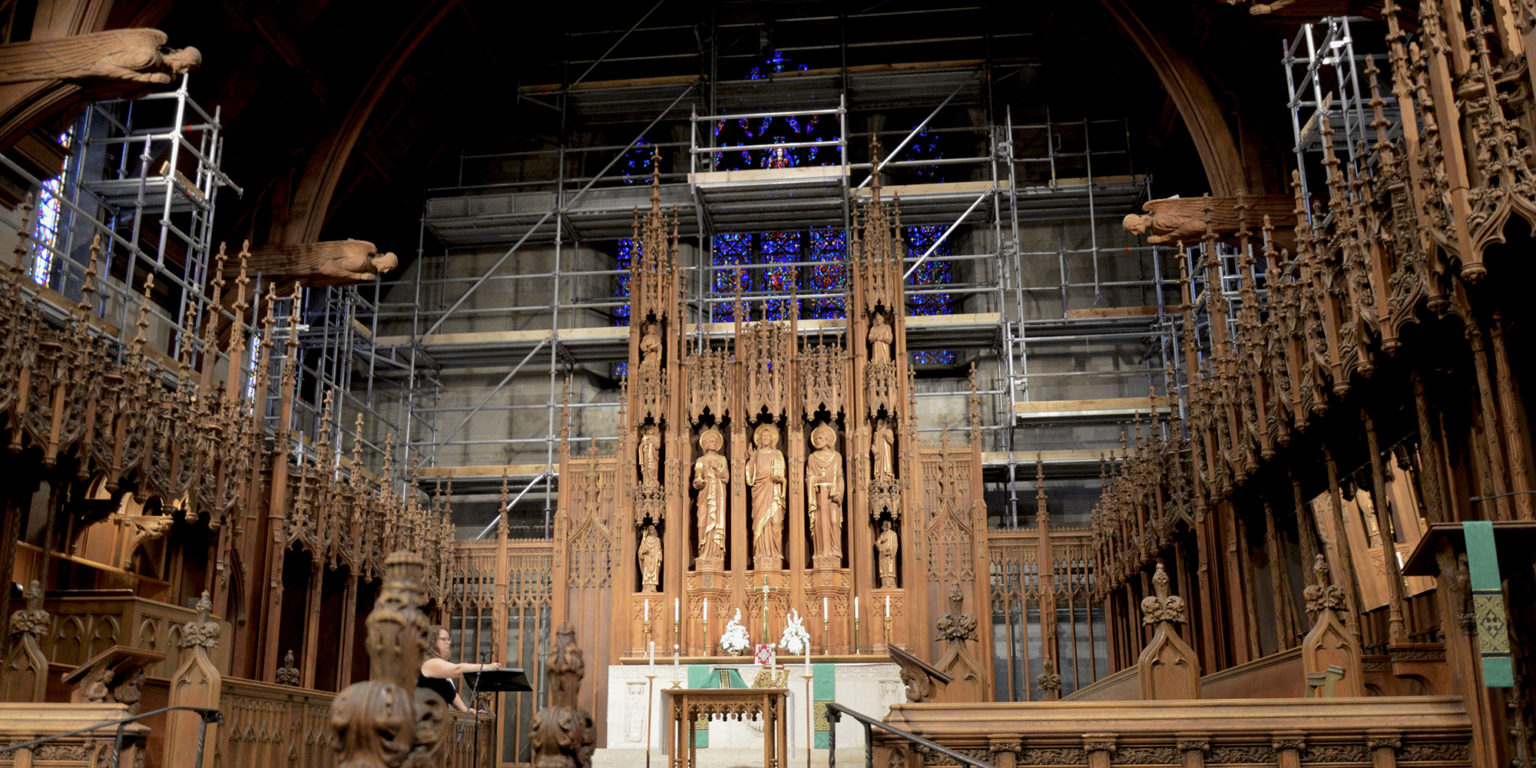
{"points": [[779, 248], [933, 357], [827, 245], [623, 257], [772, 130], [731, 252], [45, 227], [925, 146], [934, 271], [637, 163]]}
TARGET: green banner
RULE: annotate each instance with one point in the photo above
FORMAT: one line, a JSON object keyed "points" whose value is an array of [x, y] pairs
{"points": [[1488, 605]]}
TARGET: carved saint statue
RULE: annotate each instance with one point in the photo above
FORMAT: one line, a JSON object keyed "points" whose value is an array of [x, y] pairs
{"points": [[650, 349], [649, 454], [766, 477], [711, 476], [882, 451], [824, 493], [650, 559], [887, 544], [880, 338]]}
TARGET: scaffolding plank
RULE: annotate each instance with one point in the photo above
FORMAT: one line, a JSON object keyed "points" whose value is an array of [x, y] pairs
{"points": [[1103, 312], [1047, 457], [1093, 409], [522, 472]]}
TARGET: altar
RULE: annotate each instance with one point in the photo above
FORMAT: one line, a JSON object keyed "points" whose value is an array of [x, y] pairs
{"points": [[869, 686]]}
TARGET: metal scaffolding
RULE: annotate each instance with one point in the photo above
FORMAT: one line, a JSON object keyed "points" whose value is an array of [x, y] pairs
{"points": [[143, 175], [1328, 78], [437, 329]]}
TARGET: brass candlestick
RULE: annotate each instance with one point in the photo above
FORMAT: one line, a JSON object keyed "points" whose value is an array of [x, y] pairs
{"points": [[810, 718], [855, 635], [826, 633], [649, 680], [887, 631], [677, 634]]}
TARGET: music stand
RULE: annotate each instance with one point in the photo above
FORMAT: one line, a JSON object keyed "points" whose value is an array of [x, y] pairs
{"points": [[511, 679]]}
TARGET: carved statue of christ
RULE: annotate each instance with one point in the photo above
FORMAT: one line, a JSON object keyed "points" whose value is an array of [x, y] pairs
{"points": [[766, 477]]}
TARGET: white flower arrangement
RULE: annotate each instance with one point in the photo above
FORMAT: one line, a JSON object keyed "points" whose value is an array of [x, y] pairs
{"points": [[795, 640], [735, 639]]}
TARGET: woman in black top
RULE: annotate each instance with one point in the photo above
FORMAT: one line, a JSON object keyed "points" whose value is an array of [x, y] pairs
{"points": [[439, 674]]}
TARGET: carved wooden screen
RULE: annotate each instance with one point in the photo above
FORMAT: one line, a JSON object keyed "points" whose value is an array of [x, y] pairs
{"points": [[506, 611], [589, 535], [1015, 589]]}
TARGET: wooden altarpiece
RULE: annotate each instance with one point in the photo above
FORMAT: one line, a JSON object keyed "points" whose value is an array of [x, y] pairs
{"points": [[721, 425]]}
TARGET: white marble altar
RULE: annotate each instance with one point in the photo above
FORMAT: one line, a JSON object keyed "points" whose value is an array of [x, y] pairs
{"points": [[868, 688]]}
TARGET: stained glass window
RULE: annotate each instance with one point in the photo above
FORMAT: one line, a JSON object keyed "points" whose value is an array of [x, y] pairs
{"points": [[637, 162], [831, 246], [45, 228], [624, 256], [925, 146], [934, 271], [250, 384], [732, 251], [779, 248], [774, 130]]}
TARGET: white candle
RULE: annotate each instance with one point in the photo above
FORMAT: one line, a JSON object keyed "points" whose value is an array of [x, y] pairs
{"points": [[676, 667], [807, 654], [824, 613], [706, 612], [887, 606], [647, 610], [855, 607], [676, 605], [651, 656]]}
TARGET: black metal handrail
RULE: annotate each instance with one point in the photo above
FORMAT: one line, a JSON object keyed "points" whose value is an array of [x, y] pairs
{"points": [[208, 716], [835, 711]]}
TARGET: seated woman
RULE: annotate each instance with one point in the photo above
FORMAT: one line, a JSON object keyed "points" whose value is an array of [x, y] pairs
{"points": [[440, 675]]}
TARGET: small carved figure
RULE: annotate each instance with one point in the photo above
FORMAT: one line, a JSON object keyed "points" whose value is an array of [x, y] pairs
{"points": [[288, 674], [130, 692], [711, 476], [766, 477], [562, 736], [650, 349], [956, 626], [824, 493], [95, 688], [880, 338], [650, 454], [882, 451], [887, 544], [650, 559]]}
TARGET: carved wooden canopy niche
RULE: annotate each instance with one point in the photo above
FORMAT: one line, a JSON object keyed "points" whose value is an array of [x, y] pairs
{"points": [[765, 350], [709, 384], [822, 369]]}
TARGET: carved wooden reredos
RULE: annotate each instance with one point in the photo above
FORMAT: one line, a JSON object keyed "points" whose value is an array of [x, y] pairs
{"points": [[768, 453]]}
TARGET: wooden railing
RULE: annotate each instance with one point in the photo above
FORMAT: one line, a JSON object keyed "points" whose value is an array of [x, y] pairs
{"points": [[1383, 732], [23, 722], [275, 725]]}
